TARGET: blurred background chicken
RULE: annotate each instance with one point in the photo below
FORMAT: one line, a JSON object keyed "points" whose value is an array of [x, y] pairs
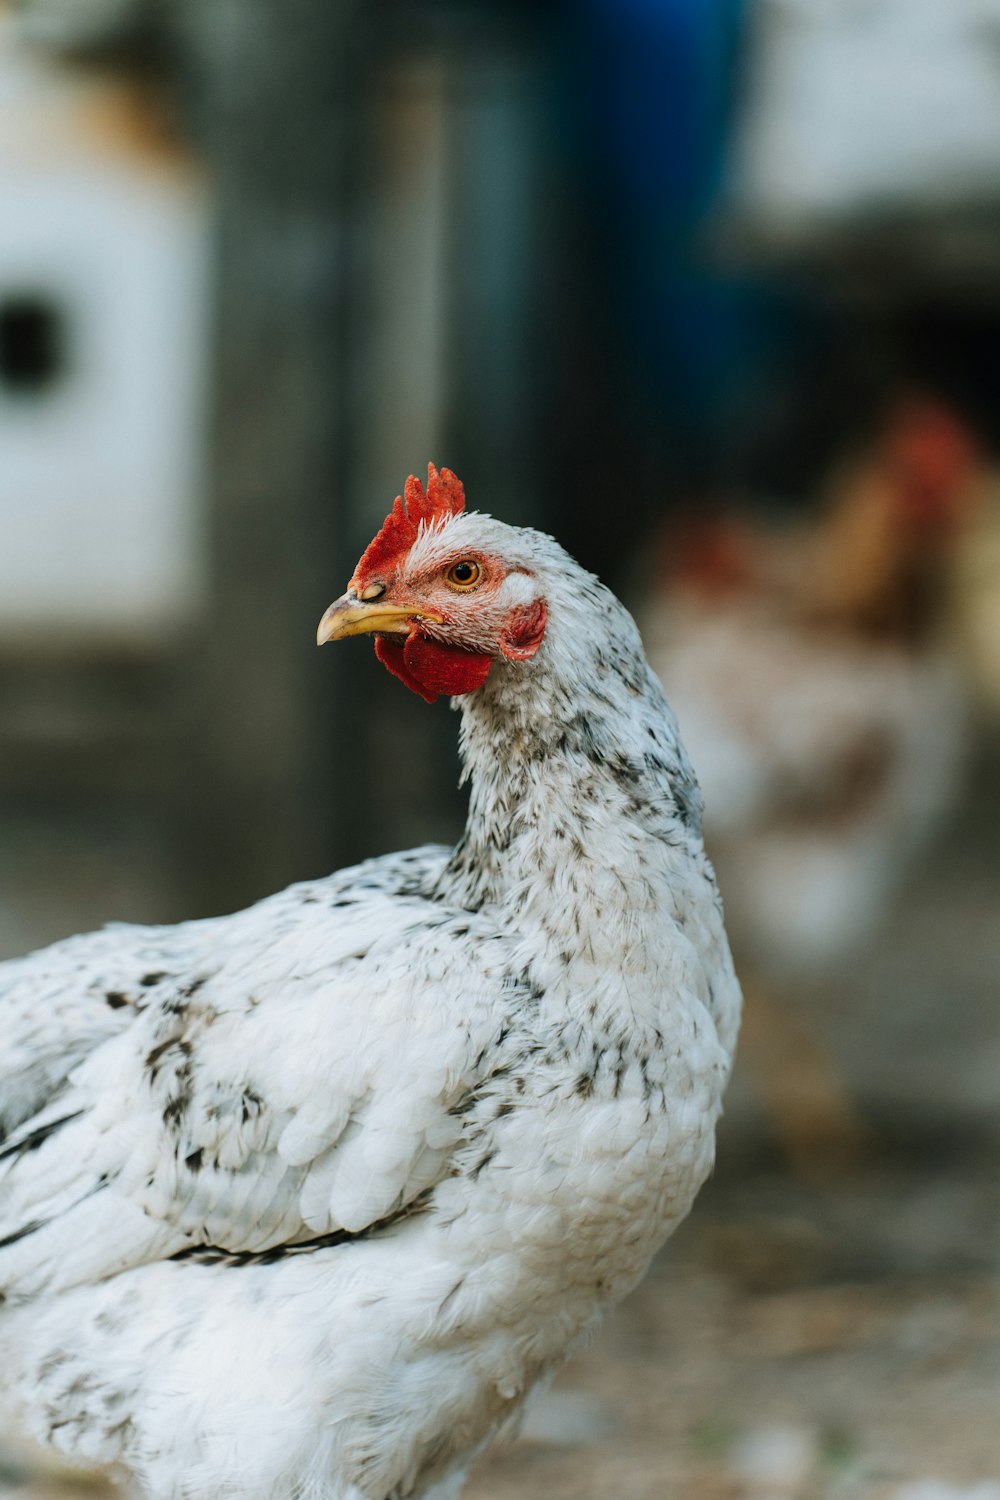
{"points": [[813, 670]]}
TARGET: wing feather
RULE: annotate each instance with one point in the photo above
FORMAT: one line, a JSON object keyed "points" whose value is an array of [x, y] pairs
{"points": [[297, 1080]]}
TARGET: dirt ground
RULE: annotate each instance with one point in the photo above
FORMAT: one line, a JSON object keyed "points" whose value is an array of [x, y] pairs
{"points": [[814, 1336]]}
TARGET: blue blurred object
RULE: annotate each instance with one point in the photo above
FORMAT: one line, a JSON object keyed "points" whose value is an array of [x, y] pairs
{"points": [[668, 68], [646, 101]]}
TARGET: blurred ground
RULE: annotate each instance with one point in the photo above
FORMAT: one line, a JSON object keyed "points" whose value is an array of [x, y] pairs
{"points": [[832, 1340]]}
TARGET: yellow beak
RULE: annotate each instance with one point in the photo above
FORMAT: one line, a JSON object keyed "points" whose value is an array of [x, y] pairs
{"points": [[351, 616]]}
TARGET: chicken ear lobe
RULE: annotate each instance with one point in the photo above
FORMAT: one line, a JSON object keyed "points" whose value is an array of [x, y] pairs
{"points": [[524, 630]]}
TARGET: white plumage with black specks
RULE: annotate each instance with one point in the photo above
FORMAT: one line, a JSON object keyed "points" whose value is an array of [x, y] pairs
{"points": [[304, 1201]]}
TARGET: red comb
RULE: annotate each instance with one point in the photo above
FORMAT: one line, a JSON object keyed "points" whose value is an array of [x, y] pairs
{"points": [[444, 497]]}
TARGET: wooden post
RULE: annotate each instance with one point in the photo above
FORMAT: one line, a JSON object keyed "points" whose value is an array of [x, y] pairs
{"points": [[269, 87]]}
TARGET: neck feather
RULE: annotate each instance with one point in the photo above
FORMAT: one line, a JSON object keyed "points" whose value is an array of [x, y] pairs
{"points": [[582, 800]]}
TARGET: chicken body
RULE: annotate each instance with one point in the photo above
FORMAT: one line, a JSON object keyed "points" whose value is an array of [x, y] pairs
{"points": [[827, 760], [306, 1200], [819, 692]]}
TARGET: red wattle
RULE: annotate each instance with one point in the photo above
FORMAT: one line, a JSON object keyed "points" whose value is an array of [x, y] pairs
{"points": [[430, 668], [389, 650]]}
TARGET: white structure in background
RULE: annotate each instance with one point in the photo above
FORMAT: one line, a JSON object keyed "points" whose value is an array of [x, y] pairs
{"points": [[103, 288], [870, 104]]}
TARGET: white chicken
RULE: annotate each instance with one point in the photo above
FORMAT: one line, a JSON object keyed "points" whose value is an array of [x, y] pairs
{"points": [[303, 1202], [823, 704], [818, 690]]}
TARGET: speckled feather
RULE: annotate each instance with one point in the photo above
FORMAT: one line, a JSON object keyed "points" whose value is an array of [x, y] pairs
{"points": [[304, 1201]]}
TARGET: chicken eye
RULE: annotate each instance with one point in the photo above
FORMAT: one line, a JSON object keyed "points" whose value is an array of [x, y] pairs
{"points": [[464, 574]]}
